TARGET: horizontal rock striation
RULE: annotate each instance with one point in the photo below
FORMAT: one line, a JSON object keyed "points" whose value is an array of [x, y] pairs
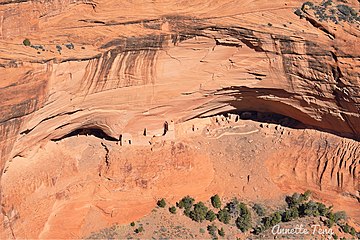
{"points": [[118, 68]]}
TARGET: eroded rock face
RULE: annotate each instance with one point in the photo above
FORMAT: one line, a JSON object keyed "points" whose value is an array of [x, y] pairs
{"points": [[122, 67]]}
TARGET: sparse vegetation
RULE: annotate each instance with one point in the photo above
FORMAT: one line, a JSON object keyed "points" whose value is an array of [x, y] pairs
{"points": [[58, 48], [221, 232], [212, 229], [69, 46], [238, 214], [26, 42], [199, 212], [259, 209], [243, 222], [139, 229], [161, 203], [224, 216], [290, 214], [215, 201], [172, 209], [187, 202], [300, 206], [328, 11], [210, 216], [233, 208]]}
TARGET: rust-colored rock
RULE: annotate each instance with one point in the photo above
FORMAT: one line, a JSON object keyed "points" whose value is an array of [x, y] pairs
{"points": [[74, 106]]}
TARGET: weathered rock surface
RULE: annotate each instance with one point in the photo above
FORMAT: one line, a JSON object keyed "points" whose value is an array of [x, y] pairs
{"points": [[122, 66]]}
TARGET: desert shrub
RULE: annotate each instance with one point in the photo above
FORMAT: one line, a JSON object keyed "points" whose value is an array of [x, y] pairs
{"points": [[258, 229], [346, 10], [290, 214], [187, 202], [26, 42], [341, 215], [212, 229], [298, 12], [345, 228], [187, 212], [243, 222], [224, 216], [329, 223], [259, 209], [307, 4], [202, 230], [132, 224], [161, 203], [233, 208], [293, 200], [296, 199], [69, 45], [306, 195], [215, 201], [352, 231], [139, 229], [172, 209], [276, 218], [323, 210], [210, 216], [271, 220], [309, 209], [221, 232], [244, 210], [59, 48], [199, 212]]}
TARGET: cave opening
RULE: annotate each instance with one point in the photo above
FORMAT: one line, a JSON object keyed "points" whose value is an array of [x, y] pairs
{"points": [[282, 120], [96, 132], [268, 117]]}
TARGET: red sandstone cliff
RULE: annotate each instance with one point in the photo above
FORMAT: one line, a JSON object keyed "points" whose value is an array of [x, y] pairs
{"points": [[122, 66]]}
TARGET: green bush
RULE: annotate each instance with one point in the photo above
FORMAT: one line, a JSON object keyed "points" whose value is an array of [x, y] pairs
{"points": [[132, 224], [345, 228], [233, 208], [26, 42], [202, 230], [260, 210], [341, 215], [323, 210], [352, 231], [199, 212], [221, 232], [271, 220], [290, 214], [243, 222], [187, 202], [224, 216], [215, 201], [258, 229], [161, 203], [187, 212], [172, 209], [309, 209], [212, 229], [297, 199], [329, 223], [210, 216], [139, 229]]}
